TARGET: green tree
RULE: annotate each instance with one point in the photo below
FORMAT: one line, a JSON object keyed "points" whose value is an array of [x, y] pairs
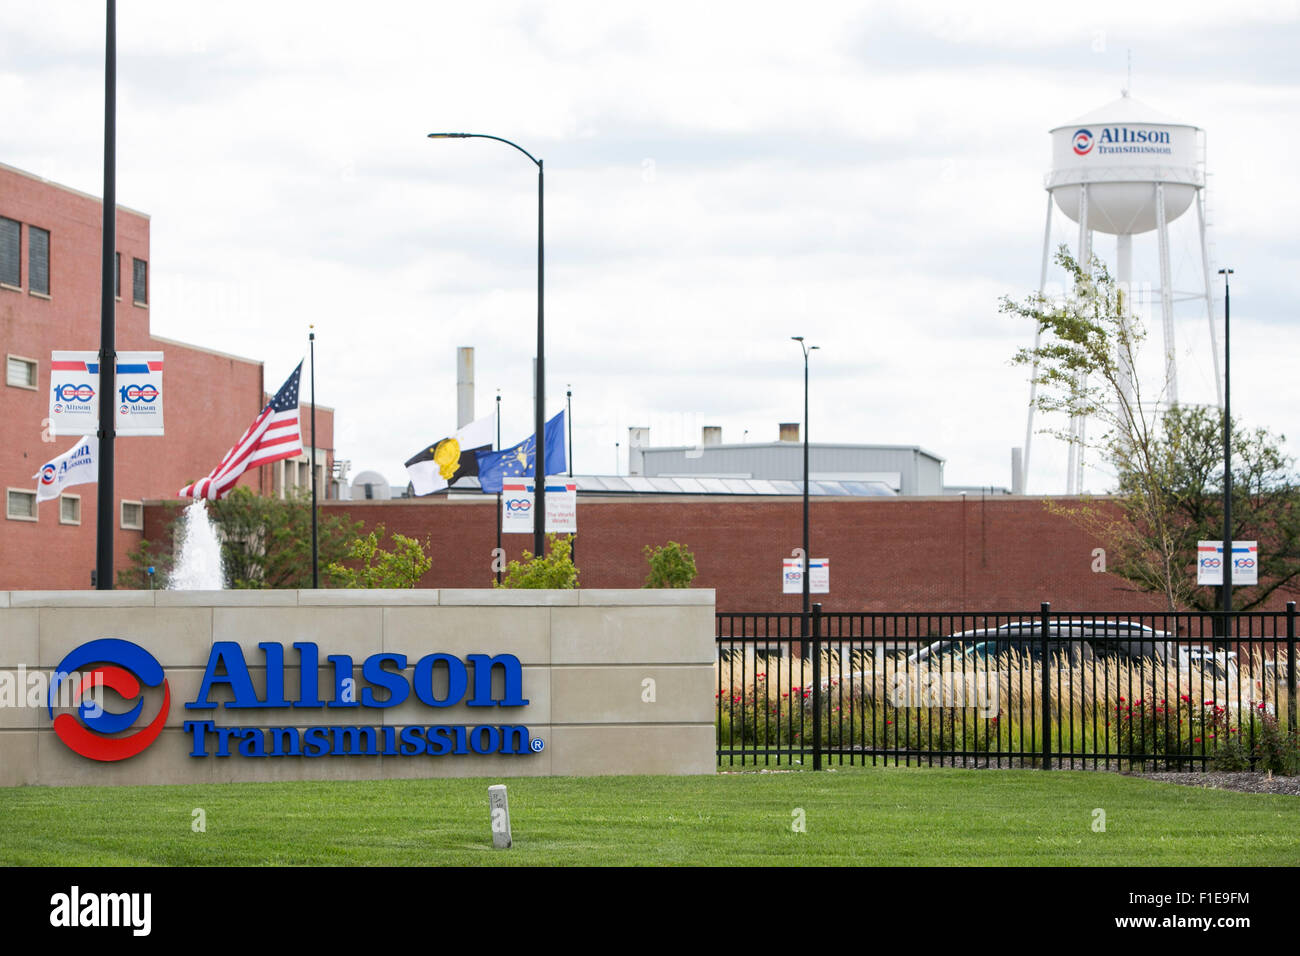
{"points": [[265, 542], [1265, 507], [402, 567], [671, 566], [1168, 459], [554, 570]]}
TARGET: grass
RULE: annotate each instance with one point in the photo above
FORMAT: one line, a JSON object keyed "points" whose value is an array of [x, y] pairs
{"points": [[854, 816]]}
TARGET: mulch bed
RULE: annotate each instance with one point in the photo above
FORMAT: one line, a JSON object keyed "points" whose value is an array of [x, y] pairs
{"points": [[1245, 782]]}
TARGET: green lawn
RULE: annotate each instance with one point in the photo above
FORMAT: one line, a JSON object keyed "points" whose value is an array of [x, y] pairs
{"points": [[854, 816]]}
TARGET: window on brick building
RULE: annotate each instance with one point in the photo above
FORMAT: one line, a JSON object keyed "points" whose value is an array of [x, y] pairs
{"points": [[20, 372], [70, 509], [20, 505], [140, 271], [132, 515], [11, 268], [38, 260]]}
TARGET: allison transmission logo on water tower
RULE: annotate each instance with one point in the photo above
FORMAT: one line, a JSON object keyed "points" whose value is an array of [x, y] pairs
{"points": [[1083, 142]]}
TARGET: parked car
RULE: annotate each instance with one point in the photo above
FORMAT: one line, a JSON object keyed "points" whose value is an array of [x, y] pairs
{"points": [[1075, 640]]}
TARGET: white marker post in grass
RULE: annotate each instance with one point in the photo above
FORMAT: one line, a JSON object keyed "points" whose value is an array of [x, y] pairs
{"points": [[500, 817]]}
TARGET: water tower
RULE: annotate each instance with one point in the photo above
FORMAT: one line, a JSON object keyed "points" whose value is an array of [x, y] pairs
{"points": [[1126, 170]]}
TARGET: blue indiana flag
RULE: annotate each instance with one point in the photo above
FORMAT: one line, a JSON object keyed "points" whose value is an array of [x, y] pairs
{"points": [[521, 460]]}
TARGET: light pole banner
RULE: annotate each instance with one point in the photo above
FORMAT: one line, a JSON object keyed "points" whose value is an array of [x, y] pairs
{"points": [[792, 576], [139, 393], [74, 393], [74, 398], [1245, 563], [517, 507]]}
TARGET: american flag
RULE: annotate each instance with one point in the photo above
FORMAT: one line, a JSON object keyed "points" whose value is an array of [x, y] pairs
{"points": [[275, 434]]}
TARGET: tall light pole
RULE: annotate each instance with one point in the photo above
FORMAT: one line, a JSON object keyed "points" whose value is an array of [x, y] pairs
{"points": [[807, 555], [106, 511], [499, 559], [1226, 590], [568, 413], [539, 432]]}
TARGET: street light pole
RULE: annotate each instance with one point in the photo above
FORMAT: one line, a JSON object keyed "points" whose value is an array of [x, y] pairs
{"points": [[500, 554], [568, 413], [1226, 590], [539, 439], [106, 511], [807, 555]]}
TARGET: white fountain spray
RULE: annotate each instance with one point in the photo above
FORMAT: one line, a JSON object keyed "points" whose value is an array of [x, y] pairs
{"points": [[198, 562]]}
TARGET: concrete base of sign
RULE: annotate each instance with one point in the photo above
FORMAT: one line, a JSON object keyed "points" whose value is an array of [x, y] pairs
{"points": [[584, 657]]}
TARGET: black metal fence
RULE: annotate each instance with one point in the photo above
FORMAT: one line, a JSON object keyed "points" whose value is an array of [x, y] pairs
{"points": [[1171, 691]]}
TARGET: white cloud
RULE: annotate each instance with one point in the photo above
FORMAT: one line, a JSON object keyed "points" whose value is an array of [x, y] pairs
{"points": [[719, 177]]}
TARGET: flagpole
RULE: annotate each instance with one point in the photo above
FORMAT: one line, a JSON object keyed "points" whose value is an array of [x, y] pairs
{"points": [[315, 553], [539, 411], [568, 409], [498, 448], [107, 315]]}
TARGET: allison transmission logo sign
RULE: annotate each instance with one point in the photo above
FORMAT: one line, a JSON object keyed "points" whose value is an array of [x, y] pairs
{"points": [[435, 681], [122, 667], [1122, 139]]}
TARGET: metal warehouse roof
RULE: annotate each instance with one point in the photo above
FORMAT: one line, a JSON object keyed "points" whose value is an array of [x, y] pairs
{"points": [[682, 485]]}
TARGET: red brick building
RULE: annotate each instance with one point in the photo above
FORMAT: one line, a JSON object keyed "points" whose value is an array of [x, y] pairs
{"points": [[950, 553], [50, 242]]}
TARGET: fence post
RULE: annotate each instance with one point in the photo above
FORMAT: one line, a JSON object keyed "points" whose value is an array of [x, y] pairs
{"points": [[817, 684], [1290, 666], [1046, 696]]}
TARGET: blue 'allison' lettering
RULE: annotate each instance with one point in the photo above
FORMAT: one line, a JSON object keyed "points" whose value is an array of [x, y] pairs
{"points": [[1122, 134], [227, 666]]}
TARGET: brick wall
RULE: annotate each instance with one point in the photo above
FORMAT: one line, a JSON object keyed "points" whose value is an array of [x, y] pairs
{"points": [[887, 554]]}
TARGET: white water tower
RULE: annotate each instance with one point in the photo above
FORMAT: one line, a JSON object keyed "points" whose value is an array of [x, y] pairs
{"points": [[1126, 170]]}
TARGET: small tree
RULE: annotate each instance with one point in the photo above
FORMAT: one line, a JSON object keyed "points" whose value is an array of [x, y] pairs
{"points": [[1168, 462], [555, 570], [671, 566], [1084, 366], [401, 567]]}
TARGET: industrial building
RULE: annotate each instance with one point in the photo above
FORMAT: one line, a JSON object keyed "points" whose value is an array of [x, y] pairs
{"points": [[865, 469], [50, 255]]}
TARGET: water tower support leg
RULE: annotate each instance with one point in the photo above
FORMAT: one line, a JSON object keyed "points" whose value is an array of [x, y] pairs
{"points": [[1074, 465], [1209, 296], [1166, 297], [1038, 336], [1124, 278]]}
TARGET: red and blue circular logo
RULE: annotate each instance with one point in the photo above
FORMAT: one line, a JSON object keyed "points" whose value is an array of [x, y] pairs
{"points": [[48, 473], [1083, 142], [120, 666]]}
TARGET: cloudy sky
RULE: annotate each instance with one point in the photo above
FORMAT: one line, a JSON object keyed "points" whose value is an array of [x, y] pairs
{"points": [[719, 177]]}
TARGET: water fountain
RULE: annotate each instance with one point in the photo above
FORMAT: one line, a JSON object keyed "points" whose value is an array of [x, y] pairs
{"points": [[198, 559]]}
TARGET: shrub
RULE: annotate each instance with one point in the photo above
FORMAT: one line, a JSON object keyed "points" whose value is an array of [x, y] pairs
{"points": [[1276, 750], [400, 568], [554, 570], [672, 566]]}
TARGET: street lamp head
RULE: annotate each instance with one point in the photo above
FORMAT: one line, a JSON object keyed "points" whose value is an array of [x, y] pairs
{"points": [[449, 136], [1225, 272], [811, 347], [797, 338]]}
